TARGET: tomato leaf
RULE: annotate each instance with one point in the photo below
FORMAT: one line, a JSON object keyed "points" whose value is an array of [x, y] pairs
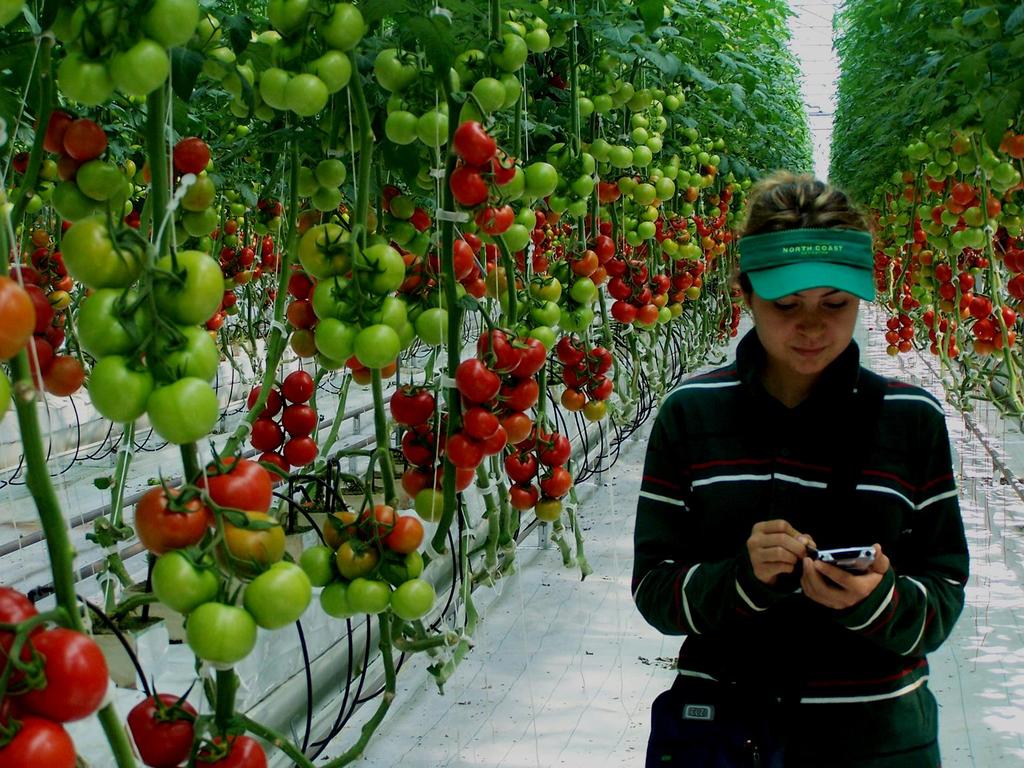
{"points": [[651, 12], [375, 10], [186, 65], [436, 38], [1014, 20], [239, 29]]}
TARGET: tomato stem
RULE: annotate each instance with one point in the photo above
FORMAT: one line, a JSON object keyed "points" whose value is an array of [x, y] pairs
{"points": [[159, 158], [35, 160], [224, 705], [380, 424]]}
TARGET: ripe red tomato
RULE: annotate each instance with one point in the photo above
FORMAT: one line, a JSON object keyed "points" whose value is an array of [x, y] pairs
{"points": [[473, 144], [238, 752], [600, 387], [270, 457], [39, 742], [534, 355], [463, 451], [521, 467], [17, 318], [299, 420], [162, 732], [495, 443], [300, 451], [406, 536], [495, 220], [468, 186], [415, 479], [412, 406], [161, 529], [554, 449], [300, 314], [55, 129], [569, 351], [41, 305], [480, 423], [520, 394], [518, 426], [244, 485], [84, 140], [266, 435], [65, 376], [297, 387], [191, 155], [418, 447], [624, 312], [523, 497], [476, 381], [76, 676], [556, 483], [495, 348], [273, 404], [463, 259], [14, 608]]}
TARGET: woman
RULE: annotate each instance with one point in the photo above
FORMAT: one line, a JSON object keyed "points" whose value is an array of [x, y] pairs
{"points": [[751, 469]]}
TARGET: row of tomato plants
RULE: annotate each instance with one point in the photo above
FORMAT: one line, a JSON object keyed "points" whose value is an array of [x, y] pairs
{"points": [[132, 259]]}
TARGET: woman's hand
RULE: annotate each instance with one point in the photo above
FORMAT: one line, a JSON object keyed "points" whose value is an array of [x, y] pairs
{"points": [[775, 547], [838, 589]]}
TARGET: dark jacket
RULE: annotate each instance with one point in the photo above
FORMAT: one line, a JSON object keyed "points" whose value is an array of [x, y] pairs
{"points": [[723, 455]]}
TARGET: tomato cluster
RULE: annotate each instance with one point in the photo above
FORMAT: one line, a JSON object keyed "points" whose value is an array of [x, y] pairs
{"points": [[60, 676], [369, 563], [198, 214], [297, 421], [587, 387], [17, 324]]}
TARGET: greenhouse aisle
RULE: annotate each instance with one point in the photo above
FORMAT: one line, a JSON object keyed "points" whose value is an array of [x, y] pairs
{"points": [[566, 671]]}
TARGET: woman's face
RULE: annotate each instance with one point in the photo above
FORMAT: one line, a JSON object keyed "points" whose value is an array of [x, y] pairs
{"points": [[805, 331]]}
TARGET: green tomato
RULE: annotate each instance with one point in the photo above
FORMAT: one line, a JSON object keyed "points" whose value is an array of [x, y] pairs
{"points": [[195, 294], [620, 156], [547, 313], [538, 40], [393, 312], [184, 411], [287, 16], [278, 596], [99, 179], [397, 569], [180, 585], [325, 250], [318, 563], [545, 334], [400, 127], [413, 599], [91, 258], [306, 95], [429, 504], [432, 128], [335, 339], [83, 81], [334, 601], [221, 634], [171, 22], [344, 28], [329, 298], [326, 198], [200, 223], [541, 179], [189, 352], [368, 595], [273, 82], [515, 187], [200, 195], [334, 69], [103, 329], [331, 173], [432, 326], [642, 156], [513, 89], [516, 237], [513, 53], [382, 265], [546, 289], [583, 291], [490, 92], [118, 391], [577, 320], [141, 69], [394, 72], [376, 346]]}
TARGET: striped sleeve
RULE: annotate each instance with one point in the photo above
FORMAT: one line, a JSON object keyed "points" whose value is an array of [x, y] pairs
{"points": [[913, 609], [676, 591]]}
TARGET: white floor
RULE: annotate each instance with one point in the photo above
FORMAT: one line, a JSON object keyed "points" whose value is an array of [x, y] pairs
{"points": [[564, 671]]}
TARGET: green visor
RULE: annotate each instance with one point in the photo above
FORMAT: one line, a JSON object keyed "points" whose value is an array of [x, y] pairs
{"points": [[792, 260]]}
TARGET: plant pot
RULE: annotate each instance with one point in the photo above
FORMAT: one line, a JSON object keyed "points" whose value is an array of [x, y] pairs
{"points": [[147, 642]]}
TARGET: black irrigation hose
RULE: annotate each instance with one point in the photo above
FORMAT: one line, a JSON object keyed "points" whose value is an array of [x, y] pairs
{"points": [[108, 622]]}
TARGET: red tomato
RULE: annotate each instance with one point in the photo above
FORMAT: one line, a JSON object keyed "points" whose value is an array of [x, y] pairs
{"points": [[473, 144], [76, 676], [520, 395], [55, 129], [479, 422], [495, 348], [84, 140], [163, 731], [600, 388], [299, 420], [272, 406], [496, 443], [569, 351], [523, 497], [415, 479], [556, 483], [191, 155], [270, 457], [476, 381], [412, 406], [161, 529], [518, 426], [237, 752], [495, 220], [17, 317], [418, 448], [380, 522], [463, 451], [534, 355], [297, 387], [468, 186], [521, 467], [299, 284], [406, 536], [39, 742], [266, 435], [64, 377], [244, 485], [300, 314], [300, 451], [463, 259], [555, 450], [41, 305], [14, 608]]}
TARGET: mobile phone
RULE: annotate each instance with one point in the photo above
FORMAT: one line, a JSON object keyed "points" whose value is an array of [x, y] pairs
{"points": [[852, 559]]}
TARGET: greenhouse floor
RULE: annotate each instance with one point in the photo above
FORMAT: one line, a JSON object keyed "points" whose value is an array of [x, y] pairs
{"points": [[565, 671]]}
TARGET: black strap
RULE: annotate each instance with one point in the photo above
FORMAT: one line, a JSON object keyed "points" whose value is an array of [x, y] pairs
{"points": [[852, 449]]}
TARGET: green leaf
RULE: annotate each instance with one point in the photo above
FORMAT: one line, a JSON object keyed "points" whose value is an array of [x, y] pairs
{"points": [[375, 10], [1014, 20], [103, 482], [186, 65], [239, 29], [698, 76], [977, 15], [669, 64], [651, 12]]}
